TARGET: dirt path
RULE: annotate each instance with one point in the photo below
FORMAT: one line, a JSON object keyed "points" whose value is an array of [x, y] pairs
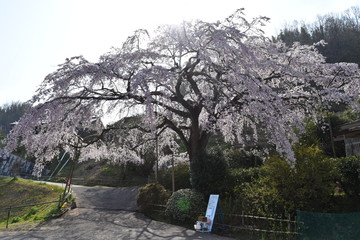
{"points": [[106, 213]]}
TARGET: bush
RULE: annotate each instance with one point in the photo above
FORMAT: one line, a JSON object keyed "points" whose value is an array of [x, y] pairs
{"points": [[246, 175], [349, 168], [282, 189], [209, 172], [151, 194], [240, 158], [182, 177], [185, 205], [239, 178]]}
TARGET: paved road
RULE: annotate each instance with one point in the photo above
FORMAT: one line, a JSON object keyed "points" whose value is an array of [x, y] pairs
{"points": [[106, 197], [106, 213]]}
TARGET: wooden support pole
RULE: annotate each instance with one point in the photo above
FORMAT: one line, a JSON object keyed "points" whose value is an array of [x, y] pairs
{"points": [[289, 223], [8, 217]]}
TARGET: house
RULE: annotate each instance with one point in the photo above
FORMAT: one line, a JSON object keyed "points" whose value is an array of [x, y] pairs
{"points": [[350, 134]]}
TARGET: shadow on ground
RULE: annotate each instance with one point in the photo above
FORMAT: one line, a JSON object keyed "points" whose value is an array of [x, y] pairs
{"points": [[106, 213]]}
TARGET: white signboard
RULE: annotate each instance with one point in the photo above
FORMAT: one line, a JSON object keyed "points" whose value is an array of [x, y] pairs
{"points": [[211, 209]]}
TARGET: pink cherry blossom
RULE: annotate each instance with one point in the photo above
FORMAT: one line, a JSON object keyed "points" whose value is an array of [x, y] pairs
{"points": [[188, 82]]}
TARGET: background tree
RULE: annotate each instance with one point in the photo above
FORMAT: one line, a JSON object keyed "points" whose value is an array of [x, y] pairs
{"points": [[10, 113], [2, 137], [340, 32], [190, 81]]}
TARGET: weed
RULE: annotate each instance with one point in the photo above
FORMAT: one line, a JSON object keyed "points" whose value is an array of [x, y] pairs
{"points": [[16, 219], [32, 212], [38, 218]]}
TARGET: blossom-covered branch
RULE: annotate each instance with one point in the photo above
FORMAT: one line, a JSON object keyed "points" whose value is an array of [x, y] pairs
{"points": [[189, 81]]}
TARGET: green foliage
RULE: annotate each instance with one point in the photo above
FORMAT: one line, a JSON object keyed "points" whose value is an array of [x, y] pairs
{"points": [[246, 174], [16, 220], [2, 137], [32, 212], [109, 171], [318, 133], [282, 189], [313, 180], [185, 205], [53, 212], [208, 173], [261, 195], [349, 168], [38, 218], [143, 169], [240, 177], [240, 158], [17, 191], [10, 113], [14, 179], [341, 32], [150, 194], [182, 177]]}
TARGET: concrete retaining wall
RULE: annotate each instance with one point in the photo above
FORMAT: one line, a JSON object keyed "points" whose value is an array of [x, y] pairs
{"points": [[12, 165]]}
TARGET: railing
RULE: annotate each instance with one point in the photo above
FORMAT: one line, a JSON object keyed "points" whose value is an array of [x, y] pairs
{"points": [[276, 227], [285, 227], [11, 208]]}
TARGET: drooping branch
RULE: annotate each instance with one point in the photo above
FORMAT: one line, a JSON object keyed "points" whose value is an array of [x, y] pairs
{"points": [[191, 81]]}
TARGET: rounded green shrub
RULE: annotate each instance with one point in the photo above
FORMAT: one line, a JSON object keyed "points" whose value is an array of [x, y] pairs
{"points": [[185, 204], [150, 194]]}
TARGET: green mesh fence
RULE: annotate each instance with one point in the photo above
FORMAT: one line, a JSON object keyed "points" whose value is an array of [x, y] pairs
{"points": [[328, 226]]}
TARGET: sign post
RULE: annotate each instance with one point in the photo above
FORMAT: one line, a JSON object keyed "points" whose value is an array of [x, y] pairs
{"points": [[205, 223], [211, 209]]}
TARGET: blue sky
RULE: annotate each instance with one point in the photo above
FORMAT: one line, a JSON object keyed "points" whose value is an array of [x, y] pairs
{"points": [[37, 35]]}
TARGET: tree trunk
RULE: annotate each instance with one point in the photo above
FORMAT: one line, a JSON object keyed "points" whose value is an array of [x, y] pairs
{"points": [[197, 152]]}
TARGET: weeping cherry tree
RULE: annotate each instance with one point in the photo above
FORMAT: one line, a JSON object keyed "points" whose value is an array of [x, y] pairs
{"points": [[188, 82]]}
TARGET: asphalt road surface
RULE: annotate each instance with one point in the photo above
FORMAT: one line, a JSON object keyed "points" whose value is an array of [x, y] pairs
{"points": [[106, 213]]}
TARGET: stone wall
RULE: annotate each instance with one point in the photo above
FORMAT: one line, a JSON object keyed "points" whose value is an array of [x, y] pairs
{"points": [[12, 165]]}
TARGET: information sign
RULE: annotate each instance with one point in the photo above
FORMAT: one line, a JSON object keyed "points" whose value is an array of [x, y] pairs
{"points": [[211, 209]]}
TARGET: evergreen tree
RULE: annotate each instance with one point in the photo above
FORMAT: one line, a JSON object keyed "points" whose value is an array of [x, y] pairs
{"points": [[9, 114], [340, 32]]}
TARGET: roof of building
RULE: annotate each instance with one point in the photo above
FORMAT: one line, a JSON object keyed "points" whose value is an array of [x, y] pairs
{"points": [[351, 129]]}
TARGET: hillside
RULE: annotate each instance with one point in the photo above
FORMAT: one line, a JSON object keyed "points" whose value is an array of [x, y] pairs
{"points": [[91, 173], [15, 192]]}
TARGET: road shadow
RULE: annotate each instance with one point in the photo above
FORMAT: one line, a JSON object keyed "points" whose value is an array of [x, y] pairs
{"points": [[106, 213]]}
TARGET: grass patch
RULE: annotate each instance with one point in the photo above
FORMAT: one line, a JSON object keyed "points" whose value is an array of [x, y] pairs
{"points": [[16, 191], [109, 171]]}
